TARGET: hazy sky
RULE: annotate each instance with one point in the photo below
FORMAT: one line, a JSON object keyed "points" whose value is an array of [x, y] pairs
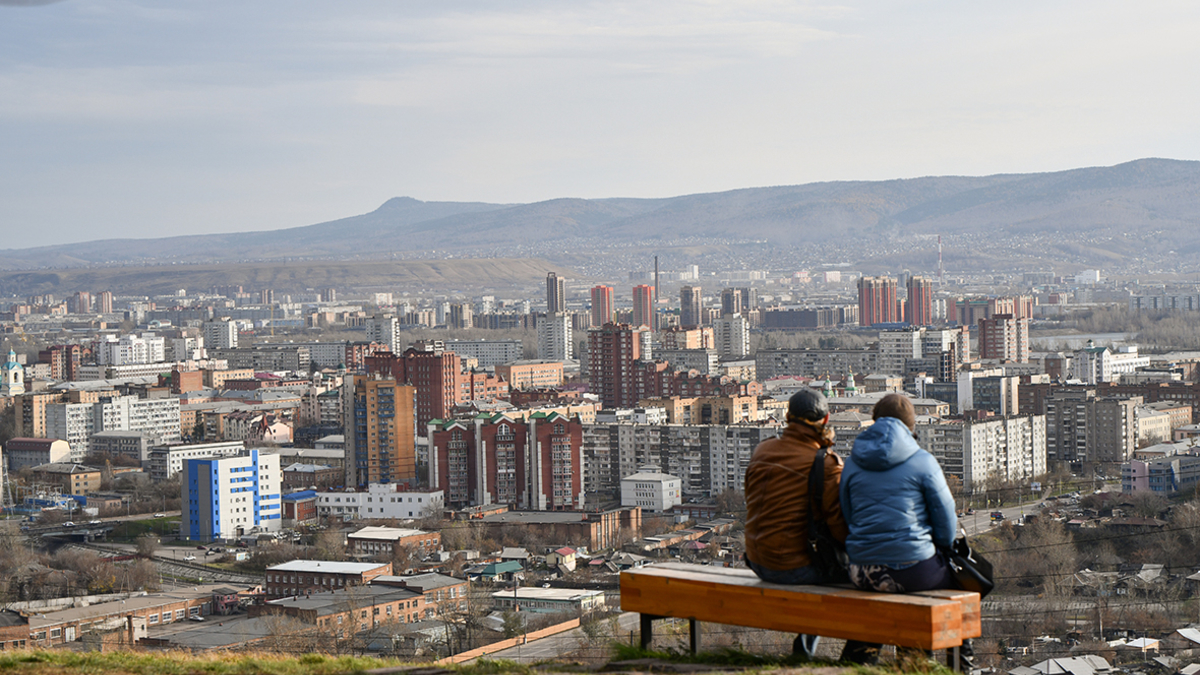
{"points": [[130, 118]]}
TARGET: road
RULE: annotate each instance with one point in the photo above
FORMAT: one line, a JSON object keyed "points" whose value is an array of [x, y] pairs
{"points": [[562, 644]]}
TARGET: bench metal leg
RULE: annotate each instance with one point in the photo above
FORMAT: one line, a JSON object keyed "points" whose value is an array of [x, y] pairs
{"points": [[694, 631], [953, 660], [647, 629]]}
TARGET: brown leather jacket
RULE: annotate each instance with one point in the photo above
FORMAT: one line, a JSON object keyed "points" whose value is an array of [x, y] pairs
{"points": [[777, 497]]}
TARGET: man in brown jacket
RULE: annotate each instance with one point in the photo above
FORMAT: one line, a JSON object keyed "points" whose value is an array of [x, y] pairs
{"points": [[777, 499]]}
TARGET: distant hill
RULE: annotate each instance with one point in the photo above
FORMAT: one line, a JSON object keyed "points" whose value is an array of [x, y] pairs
{"points": [[439, 275], [1125, 210]]}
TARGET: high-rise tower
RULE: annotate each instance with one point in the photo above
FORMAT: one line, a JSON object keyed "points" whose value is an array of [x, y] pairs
{"points": [[556, 294]]}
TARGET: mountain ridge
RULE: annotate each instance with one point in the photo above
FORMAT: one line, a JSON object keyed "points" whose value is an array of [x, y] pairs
{"points": [[1154, 199]]}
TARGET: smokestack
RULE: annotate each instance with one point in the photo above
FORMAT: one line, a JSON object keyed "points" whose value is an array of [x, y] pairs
{"points": [[654, 311]]}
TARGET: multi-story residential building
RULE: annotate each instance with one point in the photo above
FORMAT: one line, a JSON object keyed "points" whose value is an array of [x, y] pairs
{"points": [[987, 450], [706, 409], [381, 429], [488, 353], [602, 305], [920, 300], [613, 353], [428, 366], [64, 361], [531, 374], [220, 334], [226, 497], [1067, 424], [376, 541], [462, 315], [708, 459], [644, 313], [132, 444], [304, 577], [259, 358], [129, 349], [897, 348], [997, 394], [1112, 429], [384, 330], [774, 363], [1153, 426], [700, 360], [554, 334], [556, 294], [676, 338], [876, 300], [732, 336], [1094, 365], [690, 302], [166, 461], [76, 422], [1005, 337], [535, 463]]}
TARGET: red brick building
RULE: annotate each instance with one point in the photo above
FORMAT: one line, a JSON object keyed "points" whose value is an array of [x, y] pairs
{"points": [[300, 577], [535, 464]]}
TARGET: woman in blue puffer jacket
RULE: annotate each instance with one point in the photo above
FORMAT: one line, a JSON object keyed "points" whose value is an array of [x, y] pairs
{"points": [[899, 511]]}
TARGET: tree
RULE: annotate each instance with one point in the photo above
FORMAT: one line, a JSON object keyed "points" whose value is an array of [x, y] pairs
{"points": [[147, 544], [331, 545]]}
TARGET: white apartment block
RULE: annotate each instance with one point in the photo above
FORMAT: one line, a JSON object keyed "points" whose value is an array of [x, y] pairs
{"points": [[130, 349], [732, 335], [1011, 449], [323, 354], [896, 347], [488, 353], [1094, 365], [1153, 426], [227, 497], [185, 349], [167, 461], [651, 490], [386, 331], [554, 338], [220, 334], [76, 422], [708, 459], [381, 500]]}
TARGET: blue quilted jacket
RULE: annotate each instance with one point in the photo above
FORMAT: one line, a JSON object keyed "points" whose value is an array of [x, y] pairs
{"points": [[894, 498]]}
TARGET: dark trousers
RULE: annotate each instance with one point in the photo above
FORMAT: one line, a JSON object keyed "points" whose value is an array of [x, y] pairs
{"points": [[927, 575]]}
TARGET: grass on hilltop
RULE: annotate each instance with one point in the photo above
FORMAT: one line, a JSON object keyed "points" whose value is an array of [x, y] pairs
{"points": [[261, 663]]}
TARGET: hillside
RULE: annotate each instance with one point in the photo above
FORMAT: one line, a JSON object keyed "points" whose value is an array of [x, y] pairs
{"points": [[1146, 207], [440, 275]]}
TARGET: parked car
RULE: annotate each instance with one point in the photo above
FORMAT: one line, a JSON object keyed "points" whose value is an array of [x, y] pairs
{"points": [[95, 522], [160, 515], [68, 524]]}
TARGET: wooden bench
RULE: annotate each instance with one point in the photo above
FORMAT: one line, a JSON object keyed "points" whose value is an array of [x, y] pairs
{"points": [[928, 620]]}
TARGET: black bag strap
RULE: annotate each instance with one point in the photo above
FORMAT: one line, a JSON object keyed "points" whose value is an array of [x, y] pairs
{"points": [[816, 492]]}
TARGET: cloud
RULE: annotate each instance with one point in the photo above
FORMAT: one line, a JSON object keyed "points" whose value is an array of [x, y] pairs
{"points": [[27, 3]]}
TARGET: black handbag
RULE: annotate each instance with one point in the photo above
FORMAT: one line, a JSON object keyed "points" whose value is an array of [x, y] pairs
{"points": [[827, 554], [971, 571]]}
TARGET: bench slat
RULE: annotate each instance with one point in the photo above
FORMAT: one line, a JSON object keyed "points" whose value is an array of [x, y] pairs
{"points": [[731, 596]]}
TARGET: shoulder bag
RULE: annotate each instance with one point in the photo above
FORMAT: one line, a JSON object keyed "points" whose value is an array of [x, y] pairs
{"points": [[971, 571]]}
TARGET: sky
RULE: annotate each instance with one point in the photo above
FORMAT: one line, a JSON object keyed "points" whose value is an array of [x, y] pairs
{"points": [[131, 118]]}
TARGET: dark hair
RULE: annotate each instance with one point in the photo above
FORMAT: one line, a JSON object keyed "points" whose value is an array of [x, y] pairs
{"points": [[898, 406], [807, 404]]}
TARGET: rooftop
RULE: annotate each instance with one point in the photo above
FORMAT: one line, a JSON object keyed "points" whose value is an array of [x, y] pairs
{"points": [[326, 566], [386, 533]]}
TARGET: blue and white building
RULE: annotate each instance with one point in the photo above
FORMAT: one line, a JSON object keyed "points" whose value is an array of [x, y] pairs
{"points": [[228, 497]]}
